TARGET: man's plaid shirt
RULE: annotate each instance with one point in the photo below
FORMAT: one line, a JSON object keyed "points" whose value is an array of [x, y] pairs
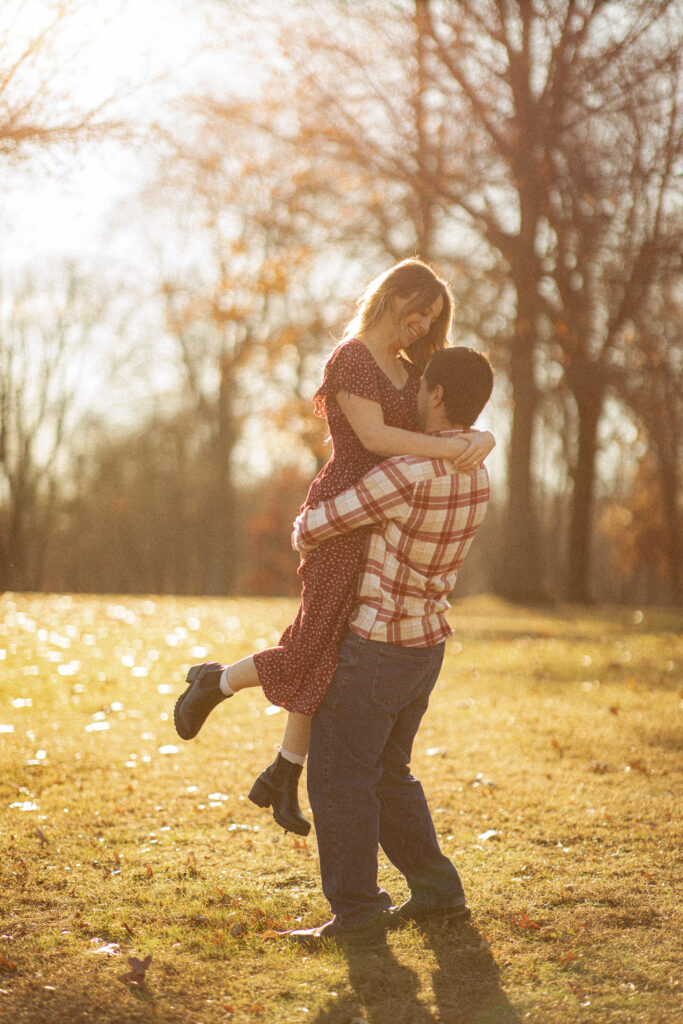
{"points": [[425, 516]]}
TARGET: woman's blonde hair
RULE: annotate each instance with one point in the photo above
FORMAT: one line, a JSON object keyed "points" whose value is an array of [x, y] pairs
{"points": [[411, 279]]}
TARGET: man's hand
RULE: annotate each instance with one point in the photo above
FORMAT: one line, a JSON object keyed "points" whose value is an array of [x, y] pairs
{"points": [[297, 528]]}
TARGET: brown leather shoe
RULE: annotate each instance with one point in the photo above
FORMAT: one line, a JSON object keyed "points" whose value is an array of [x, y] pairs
{"points": [[333, 932], [412, 910]]}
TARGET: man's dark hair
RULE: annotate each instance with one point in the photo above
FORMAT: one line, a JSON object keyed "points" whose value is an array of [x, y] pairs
{"points": [[467, 381]]}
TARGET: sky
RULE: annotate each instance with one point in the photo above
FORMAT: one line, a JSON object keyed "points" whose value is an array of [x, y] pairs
{"points": [[82, 206], [63, 205]]}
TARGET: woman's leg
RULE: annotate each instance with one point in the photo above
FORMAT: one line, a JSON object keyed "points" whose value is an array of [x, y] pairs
{"points": [[239, 676], [297, 731]]}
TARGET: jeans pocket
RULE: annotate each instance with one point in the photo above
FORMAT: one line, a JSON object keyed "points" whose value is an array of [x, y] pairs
{"points": [[404, 675]]}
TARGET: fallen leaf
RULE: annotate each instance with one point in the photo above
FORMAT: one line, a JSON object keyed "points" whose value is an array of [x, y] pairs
{"points": [[614, 709], [237, 930], [567, 958], [7, 965], [638, 766], [483, 944], [525, 922], [269, 934], [42, 837], [138, 970]]}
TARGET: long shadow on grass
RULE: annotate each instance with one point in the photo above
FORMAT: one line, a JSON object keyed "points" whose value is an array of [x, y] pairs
{"points": [[466, 984]]}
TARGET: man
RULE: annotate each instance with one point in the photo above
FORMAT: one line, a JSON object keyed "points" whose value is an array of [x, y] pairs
{"points": [[362, 793]]}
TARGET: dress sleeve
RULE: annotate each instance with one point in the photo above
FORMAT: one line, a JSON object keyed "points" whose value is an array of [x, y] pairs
{"points": [[350, 368]]}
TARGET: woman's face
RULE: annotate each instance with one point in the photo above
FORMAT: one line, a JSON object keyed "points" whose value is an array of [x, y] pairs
{"points": [[416, 324]]}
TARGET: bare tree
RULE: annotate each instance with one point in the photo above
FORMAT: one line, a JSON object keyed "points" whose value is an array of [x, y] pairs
{"points": [[612, 233], [238, 307], [646, 369], [464, 137], [48, 328], [39, 111]]}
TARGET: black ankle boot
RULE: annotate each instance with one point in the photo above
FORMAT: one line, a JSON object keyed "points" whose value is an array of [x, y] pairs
{"points": [[276, 787]]}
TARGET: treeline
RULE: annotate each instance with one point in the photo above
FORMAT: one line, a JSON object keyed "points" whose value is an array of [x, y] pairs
{"points": [[532, 154]]}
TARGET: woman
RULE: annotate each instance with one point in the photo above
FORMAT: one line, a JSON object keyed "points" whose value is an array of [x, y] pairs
{"points": [[369, 398]]}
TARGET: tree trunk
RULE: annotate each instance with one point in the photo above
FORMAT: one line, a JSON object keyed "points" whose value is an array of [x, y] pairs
{"points": [[670, 492], [224, 568], [520, 577], [589, 404], [423, 215], [666, 449]]}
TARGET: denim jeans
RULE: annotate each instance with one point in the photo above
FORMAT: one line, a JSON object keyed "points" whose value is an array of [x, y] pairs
{"points": [[359, 782]]}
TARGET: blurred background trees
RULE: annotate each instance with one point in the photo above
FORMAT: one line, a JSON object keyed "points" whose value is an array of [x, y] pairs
{"points": [[532, 152]]}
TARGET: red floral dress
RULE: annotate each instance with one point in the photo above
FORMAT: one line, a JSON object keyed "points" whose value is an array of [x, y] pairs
{"points": [[297, 672]]}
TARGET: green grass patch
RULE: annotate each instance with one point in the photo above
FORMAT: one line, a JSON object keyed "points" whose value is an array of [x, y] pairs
{"points": [[550, 757]]}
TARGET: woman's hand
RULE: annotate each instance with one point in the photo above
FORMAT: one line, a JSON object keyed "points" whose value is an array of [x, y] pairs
{"points": [[478, 444]]}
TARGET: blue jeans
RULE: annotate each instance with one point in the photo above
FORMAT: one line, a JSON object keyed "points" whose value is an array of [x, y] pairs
{"points": [[359, 782]]}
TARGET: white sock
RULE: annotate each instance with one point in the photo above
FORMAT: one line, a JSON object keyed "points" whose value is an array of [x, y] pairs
{"points": [[224, 685], [294, 758]]}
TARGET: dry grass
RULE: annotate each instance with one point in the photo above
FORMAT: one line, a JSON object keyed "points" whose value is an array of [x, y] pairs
{"points": [[549, 756]]}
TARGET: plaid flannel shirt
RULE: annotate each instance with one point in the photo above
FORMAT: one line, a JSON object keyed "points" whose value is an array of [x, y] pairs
{"points": [[425, 516]]}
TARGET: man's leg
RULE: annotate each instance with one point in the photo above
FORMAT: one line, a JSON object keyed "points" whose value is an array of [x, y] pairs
{"points": [[346, 743], [407, 833], [349, 732]]}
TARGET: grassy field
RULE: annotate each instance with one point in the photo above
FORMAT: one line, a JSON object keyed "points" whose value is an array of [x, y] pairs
{"points": [[551, 760]]}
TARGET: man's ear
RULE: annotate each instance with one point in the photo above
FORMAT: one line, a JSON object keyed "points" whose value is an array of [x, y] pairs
{"points": [[436, 396]]}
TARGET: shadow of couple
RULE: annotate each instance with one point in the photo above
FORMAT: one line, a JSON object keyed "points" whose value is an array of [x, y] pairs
{"points": [[466, 983]]}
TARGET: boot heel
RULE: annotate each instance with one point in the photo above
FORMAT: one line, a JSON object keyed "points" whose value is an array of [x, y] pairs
{"points": [[259, 795]]}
